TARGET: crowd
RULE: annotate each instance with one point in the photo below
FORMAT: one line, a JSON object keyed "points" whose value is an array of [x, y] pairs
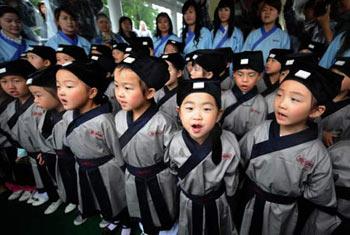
{"points": [[213, 131]]}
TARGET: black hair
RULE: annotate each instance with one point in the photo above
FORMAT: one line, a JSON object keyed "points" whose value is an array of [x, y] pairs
{"points": [[231, 24], [163, 14], [7, 9], [101, 15], [275, 4], [41, 13], [198, 26], [121, 32], [67, 10]]}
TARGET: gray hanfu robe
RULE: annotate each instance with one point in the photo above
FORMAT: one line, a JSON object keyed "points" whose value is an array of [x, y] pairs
{"points": [[166, 101]]}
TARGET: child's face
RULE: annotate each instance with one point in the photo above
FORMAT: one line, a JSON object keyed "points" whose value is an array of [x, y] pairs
{"points": [[283, 75], [71, 91], [103, 24], [117, 55], [345, 85], [224, 14], [189, 67], [128, 90], [269, 14], [43, 98], [37, 61], [170, 48], [67, 23], [14, 86], [293, 104], [174, 74], [198, 114], [246, 79], [11, 24], [190, 16], [197, 72], [63, 58], [163, 24], [272, 66]]}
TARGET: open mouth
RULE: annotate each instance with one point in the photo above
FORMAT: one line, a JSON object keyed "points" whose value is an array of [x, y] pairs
{"points": [[281, 115], [196, 128]]}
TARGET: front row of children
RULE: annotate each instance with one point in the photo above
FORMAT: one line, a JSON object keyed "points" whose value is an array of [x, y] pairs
{"points": [[140, 167]]}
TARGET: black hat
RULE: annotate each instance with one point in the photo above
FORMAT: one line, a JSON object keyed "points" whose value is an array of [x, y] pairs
{"points": [[226, 52], [188, 57], [322, 83], [211, 61], [47, 53], [279, 54], [142, 46], [248, 60], [298, 59], [90, 73], [175, 59], [277, 4], [106, 62], [152, 70], [44, 78], [225, 3], [342, 64], [178, 45], [76, 52], [17, 67], [187, 87], [122, 47], [317, 48], [103, 49]]}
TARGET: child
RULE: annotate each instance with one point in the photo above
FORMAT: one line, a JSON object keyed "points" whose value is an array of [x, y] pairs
{"points": [[335, 121], [245, 108], [42, 85], [269, 36], [166, 97], [225, 34], [120, 51], [67, 25], [41, 56], [144, 46], [226, 75], [203, 149], [173, 46], [285, 161], [164, 33], [12, 45], [194, 35], [339, 153], [100, 50], [143, 132], [68, 53], [23, 119], [92, 139]]}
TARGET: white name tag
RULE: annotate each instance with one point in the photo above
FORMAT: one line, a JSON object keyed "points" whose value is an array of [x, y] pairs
{"points": [[195, 56], [198, 85], [165, 56], [68, 63], [244, 61], [60, 49], [94, 57], [302, 74], [340, 62], [29, 81], [289, 62], [129, 60], [3, 70], [311, 46], [145, 43], [272, 56], [128, 49]]}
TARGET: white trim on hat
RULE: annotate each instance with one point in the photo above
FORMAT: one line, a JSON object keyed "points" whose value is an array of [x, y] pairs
{"points": [[67, 63], [128, 49], [165, 56], [311, 46], [302, 74], [2, 70], [29, 81], [198, 85], [244, 61], [195, 56], [340, 63], [289, 62], [30, 49], [272, 55], [60, 49], [129, 60], [94, 48], [145, 43], [95, 57]]}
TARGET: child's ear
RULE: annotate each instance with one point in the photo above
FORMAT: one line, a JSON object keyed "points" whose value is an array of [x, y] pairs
{"points": [[317, 111], [221, 111], [177, 109], [47, 63], [151, 92], [92, 92], [210, 75], [179, 73]]}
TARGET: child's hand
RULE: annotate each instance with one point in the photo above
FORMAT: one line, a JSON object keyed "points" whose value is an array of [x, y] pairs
{"points": [[328, 138], [40, 159]]}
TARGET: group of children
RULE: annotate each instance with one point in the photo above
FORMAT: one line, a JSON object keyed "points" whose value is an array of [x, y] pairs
{"points": [[216, 142]]}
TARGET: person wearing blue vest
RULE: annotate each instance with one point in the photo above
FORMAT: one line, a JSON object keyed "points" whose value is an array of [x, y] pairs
{"points": [[12, 44], [268, 36], [225, 34], [339, 47], [164, 32], [67, 31], [194, 35]]}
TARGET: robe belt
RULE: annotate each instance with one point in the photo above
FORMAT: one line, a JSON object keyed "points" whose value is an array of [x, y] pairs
{"points": [[211, 213], [146, 177], [95, 162]]}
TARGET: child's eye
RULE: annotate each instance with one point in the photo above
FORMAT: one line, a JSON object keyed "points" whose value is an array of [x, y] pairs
{"points": [[188, 108], [295, 100], [207, 109]]}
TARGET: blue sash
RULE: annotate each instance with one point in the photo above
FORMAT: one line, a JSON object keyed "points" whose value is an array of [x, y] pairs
{"points": [[71, 41], [20, 47], [190, 36], [162, 41], [223, 39], [264, 35]]}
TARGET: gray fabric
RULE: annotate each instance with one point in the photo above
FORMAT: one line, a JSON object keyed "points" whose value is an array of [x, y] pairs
{"points": [[205, 178], [169, 106], [111, 97], [301, 170], [270, 99], [146, 148]]}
